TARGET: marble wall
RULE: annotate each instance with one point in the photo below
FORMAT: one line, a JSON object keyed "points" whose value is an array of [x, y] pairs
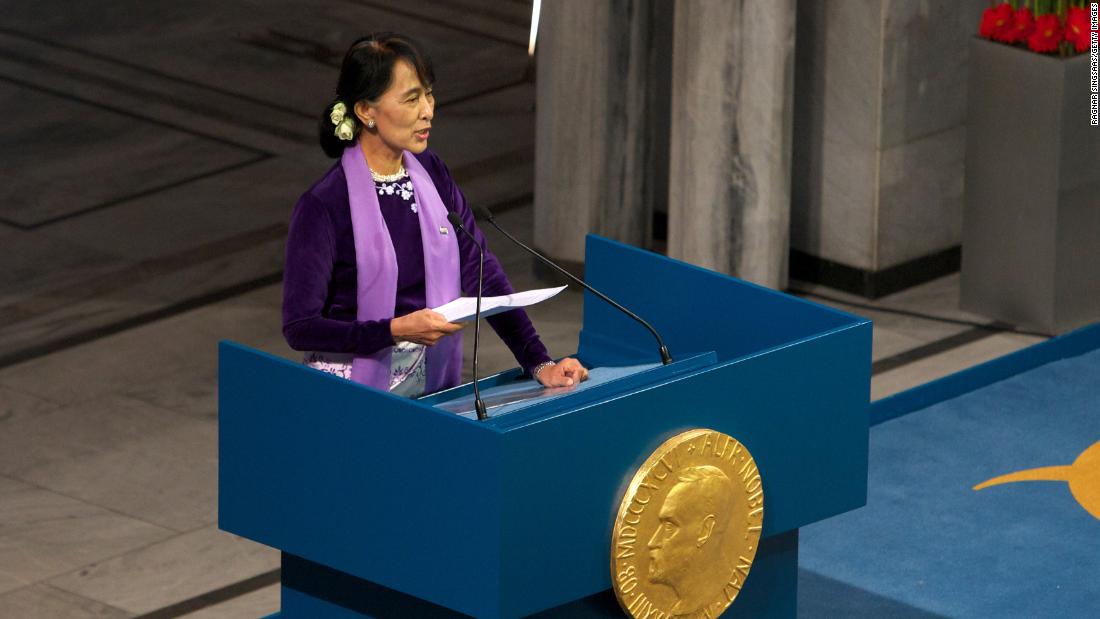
{"points": [[833, 128], [880, 103], [729, 181], [600, 158], [644, 104]]}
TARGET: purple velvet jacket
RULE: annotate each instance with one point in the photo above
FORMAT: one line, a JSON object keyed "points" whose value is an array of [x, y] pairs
{"points": [[319, 280]]}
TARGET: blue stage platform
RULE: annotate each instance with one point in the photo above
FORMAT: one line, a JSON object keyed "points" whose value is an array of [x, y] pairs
{"points": [[927, 544]]}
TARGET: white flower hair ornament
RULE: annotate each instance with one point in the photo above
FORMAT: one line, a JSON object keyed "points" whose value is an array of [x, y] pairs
{"points": [[337, 113], [345, 130], [345, 125]]}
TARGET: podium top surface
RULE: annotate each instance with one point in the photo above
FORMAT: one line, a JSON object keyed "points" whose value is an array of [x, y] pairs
{"points": [[512, 400], [522, 393]]}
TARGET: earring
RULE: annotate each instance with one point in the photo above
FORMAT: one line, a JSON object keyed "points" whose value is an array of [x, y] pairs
{"points": [[370, 124]]}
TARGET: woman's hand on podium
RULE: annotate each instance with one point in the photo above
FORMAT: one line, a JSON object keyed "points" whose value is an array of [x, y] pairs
{"points": [[422, 327], [564, 373]]}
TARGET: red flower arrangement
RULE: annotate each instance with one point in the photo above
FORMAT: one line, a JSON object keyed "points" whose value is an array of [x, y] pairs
{"points": [[1077, 28], [1023, 25], [1044, 26], [997, 23], [1047, 34]]}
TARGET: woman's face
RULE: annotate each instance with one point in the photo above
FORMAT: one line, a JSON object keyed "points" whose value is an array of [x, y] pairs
{"points": [[403, 114]]}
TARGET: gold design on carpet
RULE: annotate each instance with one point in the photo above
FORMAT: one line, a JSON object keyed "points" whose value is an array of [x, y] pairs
{"points": [[1083, 477]]}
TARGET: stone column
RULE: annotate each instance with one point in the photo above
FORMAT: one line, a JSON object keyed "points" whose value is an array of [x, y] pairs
{"points": [[730, 168], [600, 120], [880, 121]]}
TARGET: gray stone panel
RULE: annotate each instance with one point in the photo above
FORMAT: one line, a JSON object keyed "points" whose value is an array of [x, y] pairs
{"points": [[924, 67], [1077, 300], [67, 157], [880, 129], [920, 200], [1077, 279], [1031, 231], [46, 602], [835, 164], [45, 534], [34, 264], [177, 569], [121, 454], [729, 179], [251, 49], [597, 123]]}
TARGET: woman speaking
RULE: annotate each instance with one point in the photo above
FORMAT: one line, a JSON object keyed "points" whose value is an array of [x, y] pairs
{"points": [[370, 249]]}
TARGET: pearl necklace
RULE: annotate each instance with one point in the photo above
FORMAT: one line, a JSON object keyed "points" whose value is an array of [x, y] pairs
{"points": [[389, 178]]}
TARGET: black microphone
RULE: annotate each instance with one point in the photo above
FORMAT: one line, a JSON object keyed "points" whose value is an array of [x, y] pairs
{"points": [[456, 221], [666, 358]]}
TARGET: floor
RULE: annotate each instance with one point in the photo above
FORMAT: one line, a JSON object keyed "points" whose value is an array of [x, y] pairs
{"points": [[936, 541], [154, 151]]}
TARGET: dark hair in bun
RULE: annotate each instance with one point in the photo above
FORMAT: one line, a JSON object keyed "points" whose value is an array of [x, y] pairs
{"points": [[365, 74]]}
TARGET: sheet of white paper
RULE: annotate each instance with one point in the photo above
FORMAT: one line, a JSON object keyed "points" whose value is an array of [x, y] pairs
{"points": [[464, 308]]}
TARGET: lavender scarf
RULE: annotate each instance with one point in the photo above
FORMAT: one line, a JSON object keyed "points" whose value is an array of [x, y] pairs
{"points": [[376, 267]]}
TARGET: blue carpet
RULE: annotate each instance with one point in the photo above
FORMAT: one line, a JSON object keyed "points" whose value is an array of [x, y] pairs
{"points": [[928, 543], [819, 596]]}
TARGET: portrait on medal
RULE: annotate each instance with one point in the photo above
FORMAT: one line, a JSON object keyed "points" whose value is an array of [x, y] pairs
{"points": [[693, 522]]}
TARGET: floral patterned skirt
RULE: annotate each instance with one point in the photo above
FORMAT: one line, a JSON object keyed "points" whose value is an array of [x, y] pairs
{"points": [[408, 377]]}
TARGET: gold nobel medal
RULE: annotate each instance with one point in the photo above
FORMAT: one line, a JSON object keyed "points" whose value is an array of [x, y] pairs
{"points": [[688, 528]]}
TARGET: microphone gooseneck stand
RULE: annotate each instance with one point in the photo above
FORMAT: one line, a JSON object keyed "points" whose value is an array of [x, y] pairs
{"points": [[456, 221], [666, 358]]}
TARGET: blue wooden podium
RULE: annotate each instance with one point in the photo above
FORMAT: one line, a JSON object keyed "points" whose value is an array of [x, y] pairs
{"points": [[389, 507]]}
